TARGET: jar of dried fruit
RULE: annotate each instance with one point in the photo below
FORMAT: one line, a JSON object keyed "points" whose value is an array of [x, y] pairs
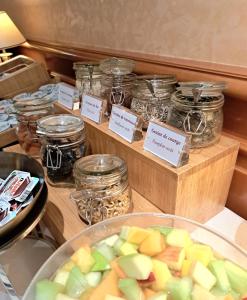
{"points": [[63, 142], [102, 187], [197, 110], [29, 111], [152, 97]]}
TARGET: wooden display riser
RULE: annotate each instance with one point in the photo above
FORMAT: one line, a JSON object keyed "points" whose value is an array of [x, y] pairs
{"points": [[197, 190]]}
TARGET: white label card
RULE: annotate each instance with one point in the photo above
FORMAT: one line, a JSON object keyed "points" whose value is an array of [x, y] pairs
{"points": [[165, 142], [123, 122], [67, 95], [92, 108]]}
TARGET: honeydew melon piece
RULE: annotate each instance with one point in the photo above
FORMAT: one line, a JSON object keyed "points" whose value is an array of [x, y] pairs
{"points": [[199, 293], [83, 258], [186, 266], [153, 244], [110, 241], [137, 266], [63, 297], [130, 288], [93, 278], [178, 238], [107, 286], [47, 290], [134, 234], [158, 296], [217, 267], [61, 277], [237, 277], [173, 257], [221, 295], [106, 251], [180, 289], [200, 252], [161, 273], [76, 283], [118, 243], [101, 263], [127, 248], [203, 276], [162, 229]]}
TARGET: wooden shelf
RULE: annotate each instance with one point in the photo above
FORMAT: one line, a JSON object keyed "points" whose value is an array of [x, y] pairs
{"points": [[7, 137], [197, 190]]}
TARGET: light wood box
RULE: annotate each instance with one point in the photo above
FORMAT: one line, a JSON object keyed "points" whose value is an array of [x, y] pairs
{"points": [[197, 190]]}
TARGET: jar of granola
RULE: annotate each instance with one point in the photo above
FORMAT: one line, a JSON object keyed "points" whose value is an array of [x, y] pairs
{"points": [[102, 187]]}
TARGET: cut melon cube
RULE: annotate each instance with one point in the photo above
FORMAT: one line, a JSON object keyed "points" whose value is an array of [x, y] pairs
{"points": [[110, 297], [217, 267], [134, 234], [161, 273], [178, 238], [47, 290], [68, 266], [61, 277], [203, 276], [127, 248], [199, 293], [202, 253], [115, 266], [237, 277], [173, 257], [110, 241], [180, 289], [108, 286], [131, 290], [100, 262], [93, 278], [162, 229], [137, 266], [106, 251], [76, 283], [148, 292], [83, 258], [153, 244]]}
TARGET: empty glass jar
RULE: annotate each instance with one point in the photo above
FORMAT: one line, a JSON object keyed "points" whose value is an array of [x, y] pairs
{"points": [[29, 111], [88, 77], [197, 110], [102, 187], [63, 142], [152, 97]]}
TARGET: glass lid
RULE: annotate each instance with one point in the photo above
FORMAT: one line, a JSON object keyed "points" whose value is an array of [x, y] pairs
{"points": [[117, 66], [100, 164], [87, 67], [32, 104], [60, 125], [206, 89]]}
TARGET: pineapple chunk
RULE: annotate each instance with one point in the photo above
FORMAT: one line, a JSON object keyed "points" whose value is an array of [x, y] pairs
{"points": [[202, 253]]}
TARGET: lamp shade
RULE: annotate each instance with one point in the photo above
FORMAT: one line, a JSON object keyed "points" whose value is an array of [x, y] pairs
{"points": [[10, 36]]}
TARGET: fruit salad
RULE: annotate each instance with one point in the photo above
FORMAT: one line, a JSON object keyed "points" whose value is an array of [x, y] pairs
{"points": [[155, 263]]}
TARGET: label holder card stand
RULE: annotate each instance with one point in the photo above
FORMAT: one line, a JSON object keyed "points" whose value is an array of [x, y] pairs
{"points": [[93, 108]]}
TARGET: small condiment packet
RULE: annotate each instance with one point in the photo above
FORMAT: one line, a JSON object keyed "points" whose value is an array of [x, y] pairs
{"points": [[14, 185], [4, 209], [26, 192]]}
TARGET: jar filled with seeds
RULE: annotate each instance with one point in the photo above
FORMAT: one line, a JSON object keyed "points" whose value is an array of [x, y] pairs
{"points": [[63, 142], [197, 110], [152, 97], [88, 77], [117, 82], [29, 111], [102, 187]]}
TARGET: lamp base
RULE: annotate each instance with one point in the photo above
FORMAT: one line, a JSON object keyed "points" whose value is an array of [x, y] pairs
{"points": [[5, 56]]}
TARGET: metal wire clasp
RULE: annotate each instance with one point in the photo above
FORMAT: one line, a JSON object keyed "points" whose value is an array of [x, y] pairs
{"points": [[53, 161], [117, 95]]}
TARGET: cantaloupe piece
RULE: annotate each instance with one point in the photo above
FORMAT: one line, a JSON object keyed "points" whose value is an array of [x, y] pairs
{"points": [[108, 286], [153, 244], [148, 292], [202, 253], [110, 297], [83, 258], [68, 266], [134, 234], [115, 266], [173, 257], [161, 273]]}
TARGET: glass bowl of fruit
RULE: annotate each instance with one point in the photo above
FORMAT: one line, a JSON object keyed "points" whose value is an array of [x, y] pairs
{"points": [[143, 256]]}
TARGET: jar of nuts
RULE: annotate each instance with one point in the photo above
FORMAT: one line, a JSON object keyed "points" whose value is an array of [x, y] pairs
{"points": [[102, 187], [29, 111]]}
